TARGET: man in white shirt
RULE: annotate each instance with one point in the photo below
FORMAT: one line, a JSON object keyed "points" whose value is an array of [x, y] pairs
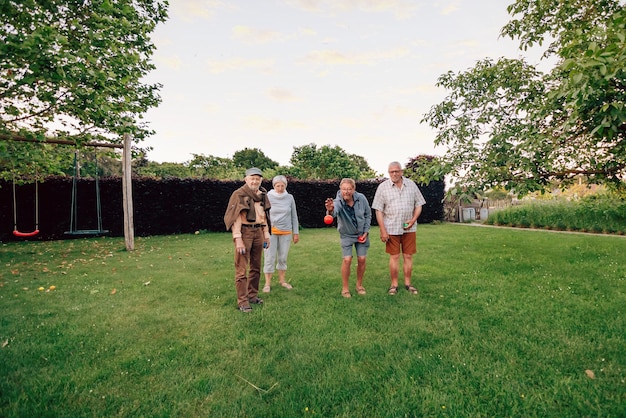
{"points": [[398, 203]]}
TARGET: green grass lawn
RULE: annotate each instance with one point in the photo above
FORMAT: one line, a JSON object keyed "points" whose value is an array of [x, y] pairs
{"points": [[508, 323]]}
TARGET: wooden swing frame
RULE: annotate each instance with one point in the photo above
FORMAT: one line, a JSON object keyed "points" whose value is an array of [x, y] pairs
{"points": [[127, 188]]}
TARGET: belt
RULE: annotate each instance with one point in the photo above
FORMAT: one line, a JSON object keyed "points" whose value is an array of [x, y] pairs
{"points": [[253, 225]]}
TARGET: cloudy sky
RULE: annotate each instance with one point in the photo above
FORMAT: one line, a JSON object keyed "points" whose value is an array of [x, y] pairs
{"points": [[279, 74]]}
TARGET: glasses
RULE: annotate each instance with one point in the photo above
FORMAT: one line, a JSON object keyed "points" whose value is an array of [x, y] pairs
{"points": [[395, 171]]}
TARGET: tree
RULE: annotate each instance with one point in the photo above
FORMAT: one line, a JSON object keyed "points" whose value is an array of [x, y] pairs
{"points": [[312, 163], [74, 70], [507, 124], [423, 169], [214, 167], [253, 157]]}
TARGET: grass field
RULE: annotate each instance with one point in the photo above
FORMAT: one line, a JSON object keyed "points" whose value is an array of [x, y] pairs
{"points": [[508, 323]]}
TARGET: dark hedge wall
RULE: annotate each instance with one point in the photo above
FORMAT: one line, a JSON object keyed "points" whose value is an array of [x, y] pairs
{"points": [[169, 206]]}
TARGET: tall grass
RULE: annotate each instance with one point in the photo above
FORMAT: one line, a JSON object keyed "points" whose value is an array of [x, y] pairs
{"points": [[595, 213], [508, 323]]}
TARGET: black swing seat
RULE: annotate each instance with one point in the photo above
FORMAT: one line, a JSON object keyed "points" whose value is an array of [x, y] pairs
{"points": [[83, 233]]}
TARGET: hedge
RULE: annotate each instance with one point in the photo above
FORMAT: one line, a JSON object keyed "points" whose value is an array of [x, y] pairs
{"points": [[166, 206]]}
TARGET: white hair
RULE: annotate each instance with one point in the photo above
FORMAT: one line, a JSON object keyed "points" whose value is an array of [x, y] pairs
{"points": [[279, 179]]}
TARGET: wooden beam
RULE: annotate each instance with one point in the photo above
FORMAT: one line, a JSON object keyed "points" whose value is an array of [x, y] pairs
{"points": [[59, 141], [127, 195]]}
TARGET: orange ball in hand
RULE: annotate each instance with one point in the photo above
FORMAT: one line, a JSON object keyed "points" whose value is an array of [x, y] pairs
{"points": [[328, 219]]}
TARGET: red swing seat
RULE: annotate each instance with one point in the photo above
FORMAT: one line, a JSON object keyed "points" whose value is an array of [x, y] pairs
{"points": [[25, 234]]}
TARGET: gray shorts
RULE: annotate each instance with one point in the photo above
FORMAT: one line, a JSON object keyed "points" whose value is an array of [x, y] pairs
{"points": [[347, 242]]}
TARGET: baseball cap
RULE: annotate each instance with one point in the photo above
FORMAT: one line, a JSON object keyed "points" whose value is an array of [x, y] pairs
{"points": [[254, 172]]}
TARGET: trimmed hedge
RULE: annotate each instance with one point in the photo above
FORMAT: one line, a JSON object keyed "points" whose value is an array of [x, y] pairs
{"points": [[167, 206]]}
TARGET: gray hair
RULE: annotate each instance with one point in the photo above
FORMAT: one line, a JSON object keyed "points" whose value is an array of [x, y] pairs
{"points": [[349, 181], [279, 179]]}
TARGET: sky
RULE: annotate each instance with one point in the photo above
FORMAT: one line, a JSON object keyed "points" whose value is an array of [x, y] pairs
{"points": [[279, 74]]}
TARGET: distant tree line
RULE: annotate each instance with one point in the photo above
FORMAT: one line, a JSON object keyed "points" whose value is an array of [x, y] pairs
{"points": [[308, 162]]}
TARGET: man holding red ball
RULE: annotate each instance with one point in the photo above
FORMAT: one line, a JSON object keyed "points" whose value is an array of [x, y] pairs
{"points": [[354, 217]]}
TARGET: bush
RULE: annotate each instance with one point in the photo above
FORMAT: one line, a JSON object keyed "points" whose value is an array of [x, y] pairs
{"points": [[595, 213]]}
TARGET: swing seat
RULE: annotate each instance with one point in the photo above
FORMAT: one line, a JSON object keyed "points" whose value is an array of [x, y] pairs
{"points": [[25, 234], [81, 233]]}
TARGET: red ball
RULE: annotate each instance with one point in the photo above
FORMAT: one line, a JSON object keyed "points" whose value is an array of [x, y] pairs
{"points": [[328, 219]]}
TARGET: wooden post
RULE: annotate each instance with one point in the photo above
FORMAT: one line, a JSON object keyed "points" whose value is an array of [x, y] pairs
{"points": [[127, 195]]}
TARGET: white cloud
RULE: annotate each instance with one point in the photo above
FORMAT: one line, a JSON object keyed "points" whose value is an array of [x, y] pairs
{"points": [[269, 125], [282, 95], [196, 9], [332, 57], [236, 64], [255, 36], [173, 62], [401, 9], [450, 8]]}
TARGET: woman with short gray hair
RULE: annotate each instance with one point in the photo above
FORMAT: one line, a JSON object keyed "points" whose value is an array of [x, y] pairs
{"points": [[285, 229]]}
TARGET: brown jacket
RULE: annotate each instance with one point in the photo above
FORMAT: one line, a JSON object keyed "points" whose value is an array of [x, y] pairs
{"points": [[243, 199]]}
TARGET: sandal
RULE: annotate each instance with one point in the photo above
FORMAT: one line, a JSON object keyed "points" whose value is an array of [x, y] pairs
{"points": [[411, 289], [346, 294], [256, 300], [393, 290], [245, 308], [286, 286], [360, 290], [266, 289]]}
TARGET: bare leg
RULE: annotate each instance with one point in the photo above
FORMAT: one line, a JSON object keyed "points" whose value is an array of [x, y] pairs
{"points": [[345, 273], [268, 282], [281, 280], [394, 268], [360, 271], [407, 268]]}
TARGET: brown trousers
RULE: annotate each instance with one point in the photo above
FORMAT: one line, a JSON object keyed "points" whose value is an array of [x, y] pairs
{"points": [[247, 285]]}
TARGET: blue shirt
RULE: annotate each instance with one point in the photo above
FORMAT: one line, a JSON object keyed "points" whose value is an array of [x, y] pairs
{"points": [[361, 213]]}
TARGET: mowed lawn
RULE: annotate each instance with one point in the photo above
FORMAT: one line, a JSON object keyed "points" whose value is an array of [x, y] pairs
{"points": [[508, 322]]}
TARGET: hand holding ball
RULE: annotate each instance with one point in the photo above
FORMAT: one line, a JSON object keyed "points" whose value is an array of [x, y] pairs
{"points": [[328, 219]]}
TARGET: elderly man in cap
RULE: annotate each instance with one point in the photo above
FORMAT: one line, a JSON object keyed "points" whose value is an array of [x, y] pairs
{"points": [[247, 216]]}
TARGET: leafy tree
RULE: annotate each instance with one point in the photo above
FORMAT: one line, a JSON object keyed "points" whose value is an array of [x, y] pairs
{"points": [[507, 124], [423, 168], [74, 70], [253, 157], [165, 170], [312, 163], [214, 167]]}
